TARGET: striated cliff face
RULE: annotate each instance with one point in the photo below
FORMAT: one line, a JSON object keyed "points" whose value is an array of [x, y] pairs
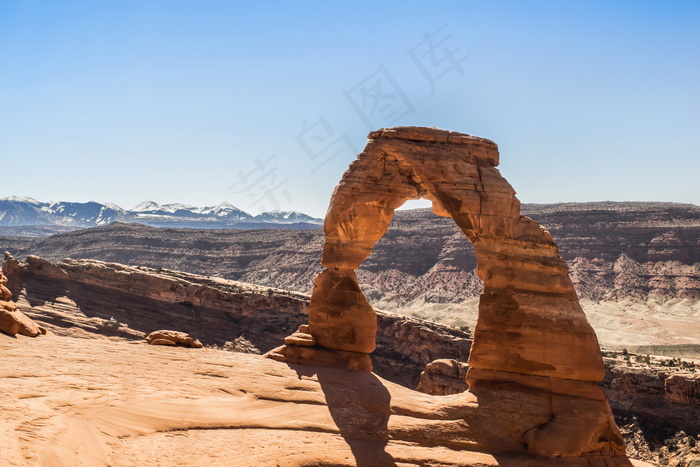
{"points": [[663, 395], [89, 298], [635, 266]]}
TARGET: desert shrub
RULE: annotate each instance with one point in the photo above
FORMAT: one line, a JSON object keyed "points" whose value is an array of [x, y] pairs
{"points": [[110, 324]]}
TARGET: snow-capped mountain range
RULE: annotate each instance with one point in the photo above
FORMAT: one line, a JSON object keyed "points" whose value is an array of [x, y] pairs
{"points": [[24, 211]]}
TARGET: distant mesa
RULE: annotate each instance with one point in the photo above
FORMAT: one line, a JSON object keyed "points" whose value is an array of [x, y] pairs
{"points": [[25, 211]]}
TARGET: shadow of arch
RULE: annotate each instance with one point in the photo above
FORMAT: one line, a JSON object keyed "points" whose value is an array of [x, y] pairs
{"points": [[360, 410]]}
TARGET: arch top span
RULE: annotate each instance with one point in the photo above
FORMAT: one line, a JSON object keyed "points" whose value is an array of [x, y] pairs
{"points": [[455, 171]]}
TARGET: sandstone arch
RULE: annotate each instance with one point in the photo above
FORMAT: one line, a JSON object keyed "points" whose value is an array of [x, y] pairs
{"points": [[532, 337]]}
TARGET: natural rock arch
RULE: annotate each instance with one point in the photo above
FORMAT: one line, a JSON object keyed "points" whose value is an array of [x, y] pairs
{"points": [[531, 337]]}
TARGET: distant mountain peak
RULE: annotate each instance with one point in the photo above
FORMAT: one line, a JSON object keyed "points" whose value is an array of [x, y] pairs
{"points": [[226, 204], [24, 211], [113, 206], [147, 206]]}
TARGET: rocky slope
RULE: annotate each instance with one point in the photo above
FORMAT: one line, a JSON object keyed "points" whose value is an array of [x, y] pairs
{"points": [[636, 266]]}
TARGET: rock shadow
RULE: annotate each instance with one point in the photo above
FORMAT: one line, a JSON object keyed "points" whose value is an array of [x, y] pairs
{"points": [[360, 406]]}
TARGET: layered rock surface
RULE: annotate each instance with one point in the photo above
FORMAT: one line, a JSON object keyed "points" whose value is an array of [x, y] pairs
{"points": [[534, 359]]}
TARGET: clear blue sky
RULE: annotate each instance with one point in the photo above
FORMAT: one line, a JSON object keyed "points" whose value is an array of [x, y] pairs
{"points": [[264, 104]]}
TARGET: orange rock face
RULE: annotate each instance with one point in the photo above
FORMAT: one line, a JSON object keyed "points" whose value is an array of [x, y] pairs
{"points": [[13, 321], [534, 359]]}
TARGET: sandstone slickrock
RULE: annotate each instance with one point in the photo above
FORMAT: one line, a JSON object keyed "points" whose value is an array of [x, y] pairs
{"points": [[534, 359], [97, 402], [73, 303], [177, 338]]}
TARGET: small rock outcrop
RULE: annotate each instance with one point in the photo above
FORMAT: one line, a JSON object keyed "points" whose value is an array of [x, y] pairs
{"points": [[443, 377], [535, 359], [173, 338], [13, 321], [10, 268]]}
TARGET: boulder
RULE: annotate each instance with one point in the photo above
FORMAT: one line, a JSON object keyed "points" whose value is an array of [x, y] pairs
{"points": [[166, 337]]}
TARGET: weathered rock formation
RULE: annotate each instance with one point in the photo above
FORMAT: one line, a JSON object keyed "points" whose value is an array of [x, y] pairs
{"points": [[10, 268], [96, 299], [663, 396], [12, 320], [535, 359], [173, 338], [667, 397], [444, 377]]}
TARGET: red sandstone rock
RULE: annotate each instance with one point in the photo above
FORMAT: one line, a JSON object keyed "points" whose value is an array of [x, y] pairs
{"points": [[13, 321], [535, 358], [10, 268], [166, 337], [443, 377]]}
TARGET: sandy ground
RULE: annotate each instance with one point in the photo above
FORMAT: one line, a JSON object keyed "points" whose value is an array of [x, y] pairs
{"points": [[89, 402]]}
